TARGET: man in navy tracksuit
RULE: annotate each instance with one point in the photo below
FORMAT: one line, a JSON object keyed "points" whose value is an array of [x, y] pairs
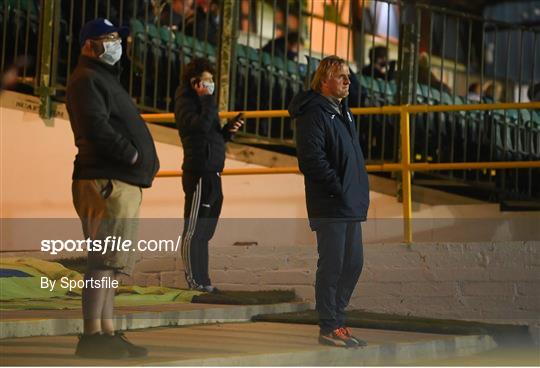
{"points": [[337, 193], [203, 141]]}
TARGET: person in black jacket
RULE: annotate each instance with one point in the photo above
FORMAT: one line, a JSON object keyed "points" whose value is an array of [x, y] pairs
{"points": [[204, 24], [116, 158], [337, 193], [379, 66], [203, 140], [281, 46]]}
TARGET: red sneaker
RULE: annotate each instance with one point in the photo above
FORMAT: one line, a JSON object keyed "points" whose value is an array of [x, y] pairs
{"points": [[337, 338], [347, 331]]}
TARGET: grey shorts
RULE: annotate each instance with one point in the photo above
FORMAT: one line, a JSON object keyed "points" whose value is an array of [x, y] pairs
{"points": [[108, 208]]}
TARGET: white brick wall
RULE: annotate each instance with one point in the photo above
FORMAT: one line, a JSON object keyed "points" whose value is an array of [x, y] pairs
{"points": [[476, 281]]}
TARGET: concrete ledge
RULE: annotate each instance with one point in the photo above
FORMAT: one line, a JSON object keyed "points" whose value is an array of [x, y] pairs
{"points": [[253, 344], [37, 326], [383, 354], [534, 331]]}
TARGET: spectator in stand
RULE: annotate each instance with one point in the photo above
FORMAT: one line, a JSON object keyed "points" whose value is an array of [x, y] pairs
{"points": [[379, 66], [204, 24], [284, 46], [425, 76], [8, 79], [177, 13], [534, 92], [493, 91], [214, 10], [475, 89]]}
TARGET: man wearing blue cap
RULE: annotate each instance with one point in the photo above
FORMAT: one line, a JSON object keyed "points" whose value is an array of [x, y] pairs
{"points": [[116, 158]]}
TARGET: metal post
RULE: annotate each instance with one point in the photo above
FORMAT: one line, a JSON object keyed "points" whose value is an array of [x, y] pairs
{"points": [[406, 176], [44, 87], [408, 48], [226, 51], [56, 44]]}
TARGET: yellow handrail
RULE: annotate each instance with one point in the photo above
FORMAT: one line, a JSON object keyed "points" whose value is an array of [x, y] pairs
{"points": [[383, 110], [405, 166], [275, 170], [373, 168], [169, 117]]}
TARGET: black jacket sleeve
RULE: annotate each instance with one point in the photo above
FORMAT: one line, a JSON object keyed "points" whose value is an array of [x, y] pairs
{"points": [[312, 158], [90, 105], [227, 135], [190, 119]]}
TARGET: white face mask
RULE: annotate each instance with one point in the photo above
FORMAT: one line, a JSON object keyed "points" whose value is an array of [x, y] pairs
{"points": [[112, 53], [211, 86]]}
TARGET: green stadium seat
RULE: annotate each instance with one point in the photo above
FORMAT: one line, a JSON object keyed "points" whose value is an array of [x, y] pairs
{"points": [[447, 99], [211, 52], [293, 68], [23, 6], [312, 64], [386, 89], [253, 55], [525, 115], [198, 48], [155, 40], [139, 42], [136, 26], [392, 88], [166, 35], [535, 119], [241, 52], [153, 33], [184, 41], [432, 95], [365, 81], [279, 65], [185, 45], [267, 60], [204, 49]]}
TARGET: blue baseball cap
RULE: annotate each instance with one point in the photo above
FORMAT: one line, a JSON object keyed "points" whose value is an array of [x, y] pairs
{"points": [[99, 27]]}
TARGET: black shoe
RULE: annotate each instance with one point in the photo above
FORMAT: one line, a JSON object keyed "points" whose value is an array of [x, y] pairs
{"points": [[211, 289], [134, 351], [207, 289], [98, 346]]}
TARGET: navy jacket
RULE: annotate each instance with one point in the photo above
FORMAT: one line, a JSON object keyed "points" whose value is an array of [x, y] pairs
{"points": [[108, 127], [330, 157], [202, 136]]}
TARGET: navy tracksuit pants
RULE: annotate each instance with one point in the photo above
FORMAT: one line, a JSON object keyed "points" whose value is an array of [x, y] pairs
{"points": [[204, 199], [339, 266]]}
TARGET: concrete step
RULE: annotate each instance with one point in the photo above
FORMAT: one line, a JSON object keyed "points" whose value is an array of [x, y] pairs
{"points": [[63, 322], [251, 344]]}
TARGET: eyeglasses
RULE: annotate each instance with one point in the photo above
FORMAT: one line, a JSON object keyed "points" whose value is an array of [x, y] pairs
{"points": [[108, 37]]}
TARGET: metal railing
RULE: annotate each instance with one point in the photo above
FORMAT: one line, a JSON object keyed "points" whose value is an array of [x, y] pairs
{"points": [[433, 55], [276, 45], [405, 166]]}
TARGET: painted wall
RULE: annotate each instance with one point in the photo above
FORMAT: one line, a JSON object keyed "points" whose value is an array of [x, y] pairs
{"points": [[487, 281], [263, 241]]}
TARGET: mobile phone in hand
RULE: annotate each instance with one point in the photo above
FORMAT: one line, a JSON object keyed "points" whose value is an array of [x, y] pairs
{"points": [[238, 117]]}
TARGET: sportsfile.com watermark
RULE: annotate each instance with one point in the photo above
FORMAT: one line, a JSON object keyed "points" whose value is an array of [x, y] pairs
{"points": [[109, 244]]}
